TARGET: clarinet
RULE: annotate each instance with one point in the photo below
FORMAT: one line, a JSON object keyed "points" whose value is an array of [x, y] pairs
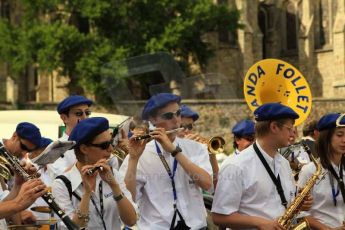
{"points": [[48, 197]]}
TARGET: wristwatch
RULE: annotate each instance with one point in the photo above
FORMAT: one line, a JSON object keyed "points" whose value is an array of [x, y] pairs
{"points": [[118, 198], [176, 151]]}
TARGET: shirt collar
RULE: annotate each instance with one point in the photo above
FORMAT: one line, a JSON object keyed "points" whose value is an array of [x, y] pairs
{"points": [[267, 157], [75, 174]]}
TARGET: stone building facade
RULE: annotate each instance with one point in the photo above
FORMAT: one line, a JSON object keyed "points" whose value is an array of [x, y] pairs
{"points": [[307, 33]]}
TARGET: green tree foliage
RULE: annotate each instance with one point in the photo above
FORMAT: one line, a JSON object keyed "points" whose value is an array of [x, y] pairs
{"points": [[76, 37]]}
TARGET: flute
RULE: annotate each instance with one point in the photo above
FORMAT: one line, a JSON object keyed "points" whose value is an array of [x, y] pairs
{"points": [[92, 170], [146, 136]]}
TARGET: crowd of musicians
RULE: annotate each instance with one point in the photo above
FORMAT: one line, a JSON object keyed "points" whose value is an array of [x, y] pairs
{"points": [[160, 183]]}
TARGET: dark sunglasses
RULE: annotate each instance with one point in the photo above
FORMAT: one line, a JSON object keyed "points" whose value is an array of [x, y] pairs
{"points": [[187, 126], [80, 113], [25, 148], [170, 115], [104, 145]]}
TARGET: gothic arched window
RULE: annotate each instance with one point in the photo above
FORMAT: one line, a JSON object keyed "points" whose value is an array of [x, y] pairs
{"points": [[324, 17]]}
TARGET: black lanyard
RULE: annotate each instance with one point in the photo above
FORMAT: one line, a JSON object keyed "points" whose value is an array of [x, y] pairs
{"points": [[340, 183], [276, 180]]}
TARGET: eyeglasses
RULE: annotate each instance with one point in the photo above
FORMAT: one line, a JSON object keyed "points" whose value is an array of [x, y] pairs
{"points": [[291, 129], [80, 113], [170, 115], [187, 126], [25, 148], [104, 145]]}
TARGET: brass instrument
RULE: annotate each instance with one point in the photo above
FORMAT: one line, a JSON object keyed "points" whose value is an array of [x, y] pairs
{"points": [[214, 144], [120, 153], [5, 169], [294, 207]]}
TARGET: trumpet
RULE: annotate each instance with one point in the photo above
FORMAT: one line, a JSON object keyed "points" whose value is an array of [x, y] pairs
{"points": [[146, 136], [215, 145]]}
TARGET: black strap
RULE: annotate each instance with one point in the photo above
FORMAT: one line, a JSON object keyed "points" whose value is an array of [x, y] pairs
{"points": [[174, 218], [276, 180], [68, 185], [339, 179]]}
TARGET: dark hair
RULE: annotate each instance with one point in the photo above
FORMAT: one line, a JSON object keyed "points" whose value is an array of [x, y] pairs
{"points": [[234, 144], [309, 128], [323, 147], [262, 128]]}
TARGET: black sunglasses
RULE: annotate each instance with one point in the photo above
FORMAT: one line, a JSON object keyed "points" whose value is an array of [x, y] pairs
{"points": [[25, 148], [80, 113], [187, 126], [170, 115], [104, 145]]}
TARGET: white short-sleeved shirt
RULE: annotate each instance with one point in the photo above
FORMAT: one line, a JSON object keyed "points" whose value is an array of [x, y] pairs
{"points": [[61, 164], [323, 208], [111, 212], [154, 189], [244, 186]]}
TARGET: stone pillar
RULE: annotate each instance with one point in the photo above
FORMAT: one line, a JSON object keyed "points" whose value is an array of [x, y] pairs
{"points": [[339, 53]]}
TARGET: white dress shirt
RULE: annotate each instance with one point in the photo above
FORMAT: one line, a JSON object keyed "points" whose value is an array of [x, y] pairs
{"points": [[111, 212], [244, 186], [323, 208], [154, 189], [63, 163]]}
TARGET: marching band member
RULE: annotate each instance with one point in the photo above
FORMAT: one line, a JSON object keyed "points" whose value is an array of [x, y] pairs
{"points": [[247, 192], [167, 177], [188, 117], [97, 200], [72, 110], [244, 135], [328, 209], [26, 138]]}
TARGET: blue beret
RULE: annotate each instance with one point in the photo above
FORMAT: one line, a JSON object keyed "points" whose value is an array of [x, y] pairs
{"points": [[244, 128], [45, 142], [188, 112], [29, 132], [70, 101], [328, 121], [274, 111], [158, 101], [87, 129]]}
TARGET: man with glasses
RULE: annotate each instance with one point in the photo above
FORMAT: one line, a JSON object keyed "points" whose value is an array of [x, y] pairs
{"points": [[255, 188], [27, 137], [72, 110], [167, 177]]}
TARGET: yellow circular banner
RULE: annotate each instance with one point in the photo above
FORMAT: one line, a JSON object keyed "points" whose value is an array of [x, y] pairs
{"points": [[273, 80]]}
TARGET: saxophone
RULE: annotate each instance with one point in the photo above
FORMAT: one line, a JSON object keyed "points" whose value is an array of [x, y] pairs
{"points": [[294, 207]]}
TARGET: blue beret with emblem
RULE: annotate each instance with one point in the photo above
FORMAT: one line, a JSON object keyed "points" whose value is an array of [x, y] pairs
{"points": [[274, 111], [87, 129], [158, 101], [30, 132], [73, 100], [328, 121], [244, 128], [188, 112]]}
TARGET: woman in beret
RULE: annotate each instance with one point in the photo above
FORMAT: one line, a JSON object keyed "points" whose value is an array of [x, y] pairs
{"points": [[96, 200], [328, 209]]}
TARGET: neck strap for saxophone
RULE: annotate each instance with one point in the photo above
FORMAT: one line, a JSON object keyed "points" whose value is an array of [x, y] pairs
{"points": [[276, 180]]}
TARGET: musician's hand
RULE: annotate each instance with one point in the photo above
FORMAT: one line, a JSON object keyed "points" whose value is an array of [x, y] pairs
{"points": [[89, 181], [307, 203], [27, 217], [29, 168], [29, 192], [106, 174], [136, 148], [269, 225], [160, 135]]}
